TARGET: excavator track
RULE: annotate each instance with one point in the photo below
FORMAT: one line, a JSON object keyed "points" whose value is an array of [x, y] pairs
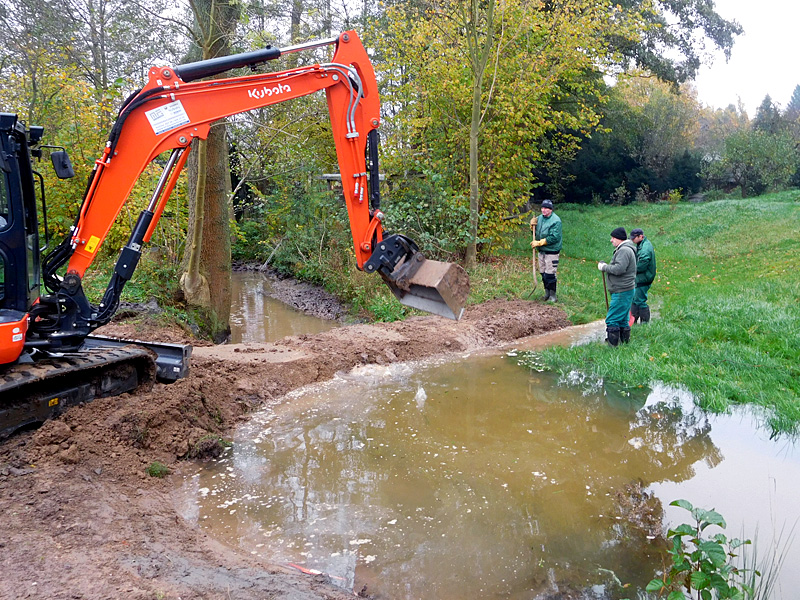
{"points": [[32, 393]]}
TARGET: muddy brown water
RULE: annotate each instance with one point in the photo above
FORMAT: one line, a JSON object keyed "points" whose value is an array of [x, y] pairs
{"points": [[257, 317], [485, 477]]}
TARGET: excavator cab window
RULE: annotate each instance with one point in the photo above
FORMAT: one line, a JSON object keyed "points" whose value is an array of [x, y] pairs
{"points": [[3, 202], [3, 224]]}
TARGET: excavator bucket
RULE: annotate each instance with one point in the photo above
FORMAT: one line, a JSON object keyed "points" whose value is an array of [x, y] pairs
{"points": [[436, 287]]}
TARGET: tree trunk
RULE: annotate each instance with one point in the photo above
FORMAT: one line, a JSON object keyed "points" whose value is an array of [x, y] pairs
{"points": [[194, 283], [479, 56], [206, 281], [474, 187], [292, 60]]}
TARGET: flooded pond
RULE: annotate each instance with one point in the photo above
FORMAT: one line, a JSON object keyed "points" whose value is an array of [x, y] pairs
{"points": [[257, 318], [482, 477]]}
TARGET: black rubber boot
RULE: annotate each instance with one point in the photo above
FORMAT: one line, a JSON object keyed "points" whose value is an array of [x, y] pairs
{"points": [[636, 313], [552, 292], [546, 286], [625, 335], [612, 336], [645, 314]]}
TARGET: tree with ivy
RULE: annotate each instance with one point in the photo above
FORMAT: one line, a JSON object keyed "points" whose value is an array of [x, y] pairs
{"points": [[206, 278]]}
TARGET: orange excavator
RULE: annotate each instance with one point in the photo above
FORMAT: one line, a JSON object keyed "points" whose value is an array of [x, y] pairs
{"points": [[48, 357]]}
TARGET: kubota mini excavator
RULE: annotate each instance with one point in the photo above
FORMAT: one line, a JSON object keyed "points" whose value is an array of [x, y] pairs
{"points": [[48, 359]]}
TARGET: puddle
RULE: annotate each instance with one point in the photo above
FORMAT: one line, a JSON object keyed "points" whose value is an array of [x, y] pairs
{"points": [[258, 318], [481, 478]]}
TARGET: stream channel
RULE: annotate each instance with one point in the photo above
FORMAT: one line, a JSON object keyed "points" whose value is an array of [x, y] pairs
{"points": [[482, 476]]}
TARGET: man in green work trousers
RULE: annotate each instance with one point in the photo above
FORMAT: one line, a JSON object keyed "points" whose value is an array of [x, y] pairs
{"points": [[547, 236], [621, 282], [645, 274]]}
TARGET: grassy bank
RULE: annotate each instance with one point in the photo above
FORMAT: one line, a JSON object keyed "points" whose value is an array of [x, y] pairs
{"points": [[726, 297]]}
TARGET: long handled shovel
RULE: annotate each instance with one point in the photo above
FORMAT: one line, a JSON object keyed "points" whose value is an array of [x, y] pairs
{"points": [[534, 261], [605, 289]]}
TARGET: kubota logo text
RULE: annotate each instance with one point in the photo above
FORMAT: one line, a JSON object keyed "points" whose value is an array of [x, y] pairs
{"points": [[265, 92]]}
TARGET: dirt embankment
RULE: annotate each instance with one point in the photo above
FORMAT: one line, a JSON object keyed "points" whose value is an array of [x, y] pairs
{"points": [[81, 517]]}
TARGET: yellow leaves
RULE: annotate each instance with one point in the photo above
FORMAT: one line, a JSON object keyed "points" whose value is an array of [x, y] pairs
{"points": [[536, 54]]}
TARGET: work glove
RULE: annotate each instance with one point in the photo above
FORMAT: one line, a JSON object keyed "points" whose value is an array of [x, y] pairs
{"points": [[534, 220], [537, 243], [601, 266]]}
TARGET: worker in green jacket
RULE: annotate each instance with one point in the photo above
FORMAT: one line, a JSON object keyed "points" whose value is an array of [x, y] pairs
{"points": [[645, 274], [621, 273], [547, 234]]}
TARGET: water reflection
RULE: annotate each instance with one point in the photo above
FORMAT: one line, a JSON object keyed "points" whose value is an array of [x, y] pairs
{"points": [[467, 479], [256, 317]]}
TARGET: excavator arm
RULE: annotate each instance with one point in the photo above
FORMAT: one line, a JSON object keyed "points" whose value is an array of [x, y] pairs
{"points": [[172, 110]]}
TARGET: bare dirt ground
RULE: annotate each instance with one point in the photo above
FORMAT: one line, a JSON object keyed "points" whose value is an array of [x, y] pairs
{"points": [[81, 518]]}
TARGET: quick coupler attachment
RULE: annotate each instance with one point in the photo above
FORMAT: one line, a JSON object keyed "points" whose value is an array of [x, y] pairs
{"points": [[436, 287]]}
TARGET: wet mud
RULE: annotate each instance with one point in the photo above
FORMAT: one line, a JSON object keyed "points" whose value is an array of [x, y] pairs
{"points": [[82, 518]]}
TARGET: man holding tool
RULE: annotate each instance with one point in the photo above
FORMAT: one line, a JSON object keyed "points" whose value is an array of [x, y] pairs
{"points": [[547, 238], [621, 283]]}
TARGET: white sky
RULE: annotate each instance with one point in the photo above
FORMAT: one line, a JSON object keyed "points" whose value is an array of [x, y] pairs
{"points": [[765, 58]]}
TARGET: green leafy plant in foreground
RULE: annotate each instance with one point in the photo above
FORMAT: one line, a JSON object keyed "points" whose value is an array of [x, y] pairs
{"points": [[701, 566]]}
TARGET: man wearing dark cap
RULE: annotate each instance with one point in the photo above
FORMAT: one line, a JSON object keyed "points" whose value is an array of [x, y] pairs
{"points": [[645, 274], [547, 238], [621, 283]]}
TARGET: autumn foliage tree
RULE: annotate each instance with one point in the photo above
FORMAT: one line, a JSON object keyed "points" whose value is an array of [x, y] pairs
{"points": [[481, 84]]}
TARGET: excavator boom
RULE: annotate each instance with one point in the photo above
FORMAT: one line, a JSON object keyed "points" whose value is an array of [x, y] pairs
{"points": [[177, 106]]}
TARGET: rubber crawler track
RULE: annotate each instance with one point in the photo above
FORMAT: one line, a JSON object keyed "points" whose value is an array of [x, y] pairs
{"points": [[32, 393]]}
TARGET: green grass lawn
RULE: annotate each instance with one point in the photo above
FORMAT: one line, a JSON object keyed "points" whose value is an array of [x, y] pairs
{"points": [[726, 296]]}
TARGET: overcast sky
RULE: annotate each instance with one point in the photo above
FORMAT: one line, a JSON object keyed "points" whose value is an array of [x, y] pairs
{"points": [[765, 58]]}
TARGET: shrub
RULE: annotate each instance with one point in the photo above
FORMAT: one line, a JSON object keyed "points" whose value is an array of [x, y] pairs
{"points": [[701, 564], [423, 209]]}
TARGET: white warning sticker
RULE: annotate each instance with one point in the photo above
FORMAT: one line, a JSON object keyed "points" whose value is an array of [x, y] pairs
{"points": [[167, 117]]}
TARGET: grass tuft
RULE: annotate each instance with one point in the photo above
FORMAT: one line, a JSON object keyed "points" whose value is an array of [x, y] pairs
{"points": [[157, 469]]}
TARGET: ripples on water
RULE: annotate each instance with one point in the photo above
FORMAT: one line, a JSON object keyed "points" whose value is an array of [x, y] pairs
{"points": [[479, 478]]}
